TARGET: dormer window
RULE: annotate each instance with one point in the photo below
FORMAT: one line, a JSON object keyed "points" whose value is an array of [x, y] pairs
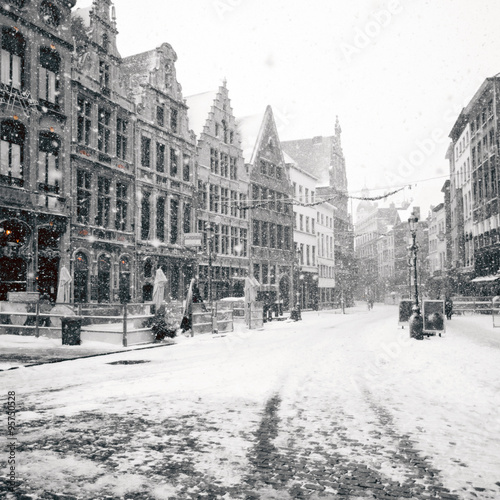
{"points": [[50, 14]]}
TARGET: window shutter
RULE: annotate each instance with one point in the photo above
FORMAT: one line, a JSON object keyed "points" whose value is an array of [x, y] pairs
{"points": [[16, 161], [51, 91], [5, 67], [16, 72], [42, 84]]}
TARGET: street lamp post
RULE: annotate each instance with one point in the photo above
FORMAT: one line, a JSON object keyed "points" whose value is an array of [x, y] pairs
{"points": [[416, 320], [210, 237]]}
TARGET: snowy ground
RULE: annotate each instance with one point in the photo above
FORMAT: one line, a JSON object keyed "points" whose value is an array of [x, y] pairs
{"points": [[334, 406]]}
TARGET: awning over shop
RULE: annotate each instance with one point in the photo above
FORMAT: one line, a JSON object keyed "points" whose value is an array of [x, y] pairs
{"points": [[485, 279]]}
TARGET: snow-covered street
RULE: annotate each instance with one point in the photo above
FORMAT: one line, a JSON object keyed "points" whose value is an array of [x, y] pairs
{"points": [[332, 406]]}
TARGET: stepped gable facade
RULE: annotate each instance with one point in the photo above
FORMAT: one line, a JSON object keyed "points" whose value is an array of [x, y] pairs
{"points": [[271, 214], [222, 192]]}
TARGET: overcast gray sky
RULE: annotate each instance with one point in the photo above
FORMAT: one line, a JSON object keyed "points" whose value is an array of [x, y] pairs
{"points": [[396, 72]]}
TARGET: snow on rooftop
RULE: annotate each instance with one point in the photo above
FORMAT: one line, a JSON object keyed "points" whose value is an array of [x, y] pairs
{"points": [[199, 106], [289, 159], [250, 128]]}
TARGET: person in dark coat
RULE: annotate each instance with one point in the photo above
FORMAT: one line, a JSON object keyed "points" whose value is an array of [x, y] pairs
{"points": [[448, 307]]}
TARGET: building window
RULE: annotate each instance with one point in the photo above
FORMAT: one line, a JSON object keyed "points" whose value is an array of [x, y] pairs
{"points": [[225, 240], [103, 201], [225, 132], [104, 75], [81, 278], [232, 168], [145, 216], [286, 238], [160, 218], [84, 126], [50, 14], [214, 161], [50, 63], [173, 120], [224, 165], [145, 152], [103, 131], [174, 221], [279, 172], [160, 116], [186, 168], [12, 59], [49, 176], [12, 153], [265, 234], [272, 235], [121, 138], [83, 196], [160, 157], [173, 162], [256, 233], [243, 243], [263, 167], [301, 222], [121, 206], [186, 222], [307, 224]]}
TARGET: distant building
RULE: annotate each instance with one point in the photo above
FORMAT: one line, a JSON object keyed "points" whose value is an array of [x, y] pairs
{"points": [[372, 222], [437, 252], [323, 157], [325, 215], [222, 194], [304, 233]]}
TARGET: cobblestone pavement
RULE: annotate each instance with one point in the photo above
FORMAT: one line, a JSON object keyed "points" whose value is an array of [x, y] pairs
{"points": [[282, 451], [307, 434]]}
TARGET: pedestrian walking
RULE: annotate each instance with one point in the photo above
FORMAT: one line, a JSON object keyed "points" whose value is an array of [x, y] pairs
{"points": [[448, 307]]}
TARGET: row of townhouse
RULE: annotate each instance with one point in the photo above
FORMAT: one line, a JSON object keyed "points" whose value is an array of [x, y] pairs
{"points": [[107, 170], [471, 196], [382, 241]]}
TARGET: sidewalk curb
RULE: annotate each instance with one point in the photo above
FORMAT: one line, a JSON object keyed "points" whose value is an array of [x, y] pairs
{"points": [[85, 357]]}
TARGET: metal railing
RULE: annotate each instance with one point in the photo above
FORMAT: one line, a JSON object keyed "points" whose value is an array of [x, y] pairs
{"points": [[39, 317]]}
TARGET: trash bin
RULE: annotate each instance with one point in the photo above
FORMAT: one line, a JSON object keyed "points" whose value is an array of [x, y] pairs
{"points": [[71, 328]]}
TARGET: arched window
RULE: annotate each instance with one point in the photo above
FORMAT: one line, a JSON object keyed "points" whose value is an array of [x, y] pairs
{"points": [[12, 137], [81, 277], [49, 175], [12, 58], [103, 278], [50, 64]]}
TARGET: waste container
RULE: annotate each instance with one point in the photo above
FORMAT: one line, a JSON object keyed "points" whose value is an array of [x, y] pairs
{"points": [[71, 328]]}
